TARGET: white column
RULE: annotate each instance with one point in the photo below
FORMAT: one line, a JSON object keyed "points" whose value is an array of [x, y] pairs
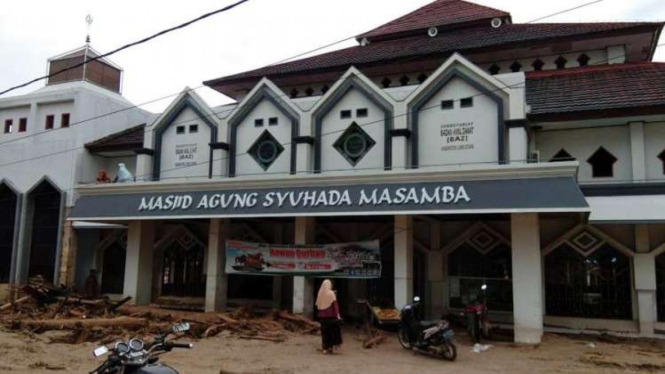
{"points": [[216, 280], [435, 273], [644, 270], [143, 167], [528, 307], [518, 143], [401, 158], [303, 287], [138, 264], [637, 149], [403, 239], [304, 155], [277, 280]]}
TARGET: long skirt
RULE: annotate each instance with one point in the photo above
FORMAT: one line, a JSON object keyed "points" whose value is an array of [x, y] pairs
{"points": [[331, 334]]}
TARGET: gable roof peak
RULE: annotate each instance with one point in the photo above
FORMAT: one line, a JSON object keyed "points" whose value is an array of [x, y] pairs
{"points": [[440, 13]]}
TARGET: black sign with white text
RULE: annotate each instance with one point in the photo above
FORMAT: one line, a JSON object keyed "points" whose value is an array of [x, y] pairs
{"points": [[537, 194]]}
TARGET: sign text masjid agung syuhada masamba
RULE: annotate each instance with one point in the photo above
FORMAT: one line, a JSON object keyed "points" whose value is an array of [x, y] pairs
{"points": [[308, 199]]}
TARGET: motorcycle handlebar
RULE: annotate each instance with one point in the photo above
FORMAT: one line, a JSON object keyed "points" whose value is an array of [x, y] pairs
{"points": [[180, 345]]}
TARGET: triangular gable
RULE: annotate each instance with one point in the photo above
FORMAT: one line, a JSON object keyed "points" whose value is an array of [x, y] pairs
{"points": [[458, 67], [264, 90], [186, 99], [353, 79]]}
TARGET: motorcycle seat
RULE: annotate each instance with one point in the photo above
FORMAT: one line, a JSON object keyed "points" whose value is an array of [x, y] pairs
{"points": [[428, 324]]}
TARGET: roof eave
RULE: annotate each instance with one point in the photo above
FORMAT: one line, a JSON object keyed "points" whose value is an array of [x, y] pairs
{"points": [[642, 110]]}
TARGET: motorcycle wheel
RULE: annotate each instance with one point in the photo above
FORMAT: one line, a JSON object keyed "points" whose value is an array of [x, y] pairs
{"points": [[449, 351], [403, 338]]}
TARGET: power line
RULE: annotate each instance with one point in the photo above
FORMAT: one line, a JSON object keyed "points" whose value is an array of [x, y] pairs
{"points": [[141, 177], [201, 86], [567, 10], [126, 46], [325, 134]]}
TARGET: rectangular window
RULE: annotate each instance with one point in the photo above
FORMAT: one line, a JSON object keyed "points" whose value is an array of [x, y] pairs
{"points": [[64, 120], [345, 114], [180, 130], [258, 122], [193, 129], [273, 121], [22, 125], [362, 112], [447, 104], [50, 121], [9, 126], [467, 103]]}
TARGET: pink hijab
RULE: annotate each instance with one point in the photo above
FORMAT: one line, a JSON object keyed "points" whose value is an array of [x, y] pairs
{"points": [[326, 296]]}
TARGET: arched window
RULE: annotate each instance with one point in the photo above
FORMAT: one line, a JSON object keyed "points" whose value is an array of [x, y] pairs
{"points": [[482, 259], [586, 277], [562, 156], [8, 201], [602, 163], [113, 267], [44, 201], [183, 273]]}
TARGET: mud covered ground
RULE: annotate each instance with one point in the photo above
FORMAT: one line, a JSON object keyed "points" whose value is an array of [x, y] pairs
{"points": [[299, 354]]}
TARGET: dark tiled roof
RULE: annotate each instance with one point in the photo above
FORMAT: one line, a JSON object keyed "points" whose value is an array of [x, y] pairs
{"points": [[577, 91], [445, 43], [129, 139], [438, 13]]}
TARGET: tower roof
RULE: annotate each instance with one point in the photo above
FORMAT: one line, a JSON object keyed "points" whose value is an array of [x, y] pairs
{"points": [[441, 13]]}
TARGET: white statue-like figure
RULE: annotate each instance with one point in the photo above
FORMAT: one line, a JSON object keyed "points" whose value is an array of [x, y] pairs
{"points": [[123, 175]]}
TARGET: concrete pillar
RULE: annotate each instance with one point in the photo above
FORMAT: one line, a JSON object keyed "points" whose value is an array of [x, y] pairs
{"points": [[143, 167], [637, 149], [68, 256], [518, 143], [303, 287], [644, 270], [435, 272], [138, 264], [403, 239], [304, 153], [528, 307], [216, 279], [276, 280]]}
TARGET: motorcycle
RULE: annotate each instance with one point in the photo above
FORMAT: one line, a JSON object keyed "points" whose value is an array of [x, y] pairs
{"points": [[477, 320], [138, 357], [430, 337]]}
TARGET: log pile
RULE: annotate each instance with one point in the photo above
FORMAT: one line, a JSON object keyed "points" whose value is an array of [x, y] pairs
{"points": [[42, 307]]}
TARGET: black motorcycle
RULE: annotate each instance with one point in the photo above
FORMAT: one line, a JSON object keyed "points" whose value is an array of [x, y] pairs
{"points": [[431, 337], [138, 357]]}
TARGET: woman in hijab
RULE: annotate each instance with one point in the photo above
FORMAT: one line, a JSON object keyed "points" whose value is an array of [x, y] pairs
{"points": [[328, 313]]}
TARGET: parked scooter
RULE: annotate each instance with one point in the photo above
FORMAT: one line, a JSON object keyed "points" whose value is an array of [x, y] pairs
{"points": [[477, 319], [138, 357], [431, 337]]}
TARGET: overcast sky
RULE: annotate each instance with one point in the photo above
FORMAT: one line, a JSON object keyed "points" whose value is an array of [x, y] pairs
{"points": [[255, 34]]}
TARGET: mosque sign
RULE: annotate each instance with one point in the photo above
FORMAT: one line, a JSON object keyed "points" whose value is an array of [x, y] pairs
{"points": [[554, 194]]}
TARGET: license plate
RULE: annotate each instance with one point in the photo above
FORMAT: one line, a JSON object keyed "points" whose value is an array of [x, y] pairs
{"points": [[448, 334]]}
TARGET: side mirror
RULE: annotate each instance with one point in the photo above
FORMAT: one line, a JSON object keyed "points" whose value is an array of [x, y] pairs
{"points": [[100, 351], [181, 327], [416, 299]]}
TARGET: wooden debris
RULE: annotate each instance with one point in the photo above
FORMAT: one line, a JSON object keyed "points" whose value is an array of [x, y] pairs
{"points": [[373, 341], [42, 307]]}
